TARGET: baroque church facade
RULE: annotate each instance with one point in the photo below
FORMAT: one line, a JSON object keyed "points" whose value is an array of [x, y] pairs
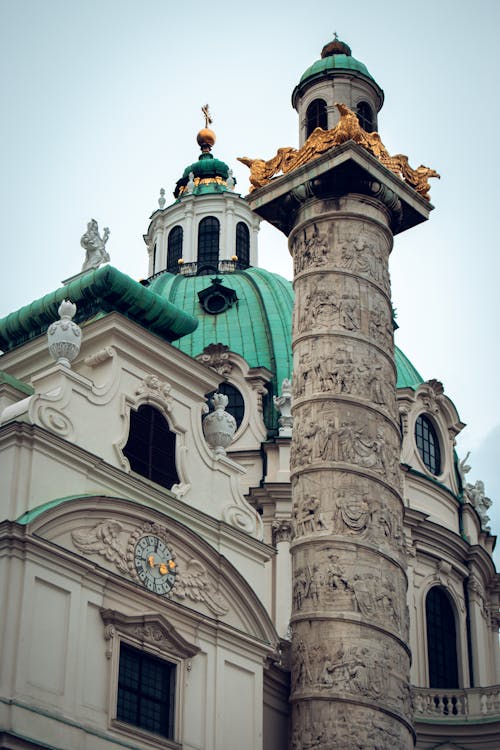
{"points": [[232, 514]]}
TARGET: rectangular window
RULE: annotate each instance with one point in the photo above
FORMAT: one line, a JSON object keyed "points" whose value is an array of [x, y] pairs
{"points": [[146, 691]]}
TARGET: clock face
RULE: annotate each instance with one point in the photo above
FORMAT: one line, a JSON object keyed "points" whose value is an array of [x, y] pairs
{"points": [[154, 564]]}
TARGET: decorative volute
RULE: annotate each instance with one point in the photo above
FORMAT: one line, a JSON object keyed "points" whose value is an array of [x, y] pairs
{"points": [[64, 336]]}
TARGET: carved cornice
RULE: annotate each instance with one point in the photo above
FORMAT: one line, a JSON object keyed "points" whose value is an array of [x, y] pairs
{"points": [[151, 629]]}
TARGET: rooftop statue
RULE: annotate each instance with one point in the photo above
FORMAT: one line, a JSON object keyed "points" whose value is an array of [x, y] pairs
{"points": [[347, 129], [95, 246]]}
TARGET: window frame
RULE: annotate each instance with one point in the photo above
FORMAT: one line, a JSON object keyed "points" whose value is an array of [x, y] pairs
{"points": [[169, 674], [242, 244], [152, 451], [365, 107], [208, 236], [175, 242], [445, 596], [434, 433], [320, 113], [155, 636]]}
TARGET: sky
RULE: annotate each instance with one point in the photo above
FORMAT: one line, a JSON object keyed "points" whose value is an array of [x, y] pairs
{"points": [[101, 106]]}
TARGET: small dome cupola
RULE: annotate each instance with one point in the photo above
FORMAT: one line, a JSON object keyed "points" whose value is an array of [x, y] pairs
{"points": [[209, 228], [208, 174], [336, 77]]}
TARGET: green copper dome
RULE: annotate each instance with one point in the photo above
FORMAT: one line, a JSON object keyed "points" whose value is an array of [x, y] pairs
{"points": [[335, 62], [335, 57], [407, 375], [207, 166], [257, 325], [209, 174]]}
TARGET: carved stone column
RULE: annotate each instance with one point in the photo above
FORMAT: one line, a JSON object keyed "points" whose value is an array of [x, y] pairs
{"points": [[350, 673], [350, 656]]}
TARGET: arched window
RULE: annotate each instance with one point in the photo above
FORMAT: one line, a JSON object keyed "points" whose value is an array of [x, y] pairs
{"points": [[316, 116], [365, 116], [208, 245], [427, 441], [150, 447], [235, 404], [242, 244], [174, 249], [441, 640]]}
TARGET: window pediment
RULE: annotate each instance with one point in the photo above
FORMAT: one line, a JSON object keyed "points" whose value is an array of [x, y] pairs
{"points": [[149, 629]]}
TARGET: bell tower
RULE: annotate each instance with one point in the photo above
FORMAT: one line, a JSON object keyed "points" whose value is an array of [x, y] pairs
{"points": [[340, 200], [336, 77]]}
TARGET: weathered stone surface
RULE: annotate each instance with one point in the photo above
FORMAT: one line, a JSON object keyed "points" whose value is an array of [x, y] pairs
{"points": [[350, 662]]}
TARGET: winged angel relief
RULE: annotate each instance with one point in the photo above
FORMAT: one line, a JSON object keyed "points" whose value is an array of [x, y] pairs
{"points": [[193, 582], [103, 539], [347, 129]]}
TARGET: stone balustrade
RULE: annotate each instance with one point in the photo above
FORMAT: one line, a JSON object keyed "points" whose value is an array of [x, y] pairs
{"points": [[459, 705]]}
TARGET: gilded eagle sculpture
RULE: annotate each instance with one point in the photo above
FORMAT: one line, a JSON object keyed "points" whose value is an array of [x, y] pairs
{"points": [[348, 128]]}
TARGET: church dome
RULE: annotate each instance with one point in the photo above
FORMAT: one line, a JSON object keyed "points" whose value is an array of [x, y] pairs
{"points": [[256, 323], [335, 57], [337, 77], [209, 175]]}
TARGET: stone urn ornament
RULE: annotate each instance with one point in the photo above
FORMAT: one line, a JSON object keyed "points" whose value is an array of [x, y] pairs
{"points": [[64, 336], [219, 426]]}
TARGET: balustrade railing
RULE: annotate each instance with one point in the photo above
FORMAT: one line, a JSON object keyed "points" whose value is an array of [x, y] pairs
{"points": [[459, 705]]}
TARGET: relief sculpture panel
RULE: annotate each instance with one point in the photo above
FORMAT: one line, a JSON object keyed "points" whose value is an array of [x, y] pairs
{"points": [[353, 509], [333, 303], [345, 437], [343, 728], [356, 669], [362, 254], [309, 249], [337, 580], [322, 367]]}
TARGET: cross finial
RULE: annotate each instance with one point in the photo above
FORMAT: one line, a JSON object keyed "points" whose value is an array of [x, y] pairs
{"points": [[208, 119], [335, 36]]}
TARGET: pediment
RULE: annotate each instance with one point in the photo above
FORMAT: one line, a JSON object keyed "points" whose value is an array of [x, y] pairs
{"points": [[150, 629], [103, 532]]}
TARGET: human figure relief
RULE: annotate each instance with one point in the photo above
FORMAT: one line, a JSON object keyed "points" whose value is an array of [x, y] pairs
{"points": [[308, 516]]}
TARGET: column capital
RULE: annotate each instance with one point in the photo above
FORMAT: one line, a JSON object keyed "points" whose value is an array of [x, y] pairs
{"points": [[348, 168]]}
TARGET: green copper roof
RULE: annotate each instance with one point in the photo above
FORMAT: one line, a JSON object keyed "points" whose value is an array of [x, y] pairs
{"points": [[258, 326], [207, 166], [334, 62], [210, 175], [335, 57], [407, 375], [100, 291], [15, 383]]}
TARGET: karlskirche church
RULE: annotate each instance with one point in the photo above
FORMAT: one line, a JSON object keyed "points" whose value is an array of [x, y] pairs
{"points": [[232, 516]]}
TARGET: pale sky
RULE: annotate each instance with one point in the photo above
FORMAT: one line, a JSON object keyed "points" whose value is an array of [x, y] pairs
{"points": [[101, 105]]}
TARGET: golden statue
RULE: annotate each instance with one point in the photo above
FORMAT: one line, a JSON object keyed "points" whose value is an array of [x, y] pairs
{"points": [[347, 129]]}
